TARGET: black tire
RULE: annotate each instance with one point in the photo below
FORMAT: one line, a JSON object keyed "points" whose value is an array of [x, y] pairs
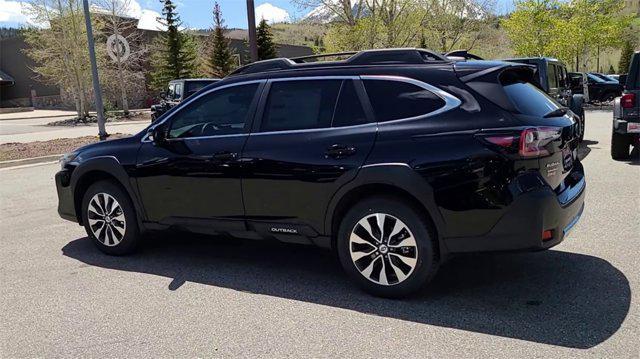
{"points": [[619, 146], [113, 242], [426, 263]]}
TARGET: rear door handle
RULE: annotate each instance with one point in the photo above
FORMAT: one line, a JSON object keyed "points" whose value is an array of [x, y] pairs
{"points": [[225, 155], [339, 151]]}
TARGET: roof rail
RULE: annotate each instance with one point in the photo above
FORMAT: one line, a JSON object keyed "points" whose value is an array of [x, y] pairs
{"points": [[300, 59], [366, 57]]}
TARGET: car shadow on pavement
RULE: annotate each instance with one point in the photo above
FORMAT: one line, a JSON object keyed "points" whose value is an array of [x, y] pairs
{"points": [[558, 298], [585, 148]]}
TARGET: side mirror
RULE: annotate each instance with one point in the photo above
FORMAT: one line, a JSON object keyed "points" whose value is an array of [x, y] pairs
{"points": [[158, 134]]}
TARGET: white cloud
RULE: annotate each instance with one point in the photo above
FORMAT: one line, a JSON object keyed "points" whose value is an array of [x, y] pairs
{"points": [[149, 21], [272, 14], [15, 13]]}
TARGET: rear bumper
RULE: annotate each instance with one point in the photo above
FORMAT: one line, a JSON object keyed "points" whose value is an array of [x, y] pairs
{"points": [[528, 216], [66, 206], [620, 126]]}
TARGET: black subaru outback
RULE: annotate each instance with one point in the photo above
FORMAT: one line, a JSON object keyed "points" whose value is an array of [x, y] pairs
{"points": [[396, 159]]}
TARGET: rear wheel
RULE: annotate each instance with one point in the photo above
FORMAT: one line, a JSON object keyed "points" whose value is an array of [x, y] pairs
{"points": [[110, 219], [619, 146], [387, 247]]}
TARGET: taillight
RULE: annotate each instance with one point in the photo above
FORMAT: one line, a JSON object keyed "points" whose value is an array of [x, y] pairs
{"points": [[533, 140], [628, 100]]}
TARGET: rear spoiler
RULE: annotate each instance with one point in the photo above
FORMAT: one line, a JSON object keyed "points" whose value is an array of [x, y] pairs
{"points": [[461, 55], [485, 78], [468, 72]]}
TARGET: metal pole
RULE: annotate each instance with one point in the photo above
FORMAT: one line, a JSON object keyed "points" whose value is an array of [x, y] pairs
{"points": [[253, 45], [102, 132]]}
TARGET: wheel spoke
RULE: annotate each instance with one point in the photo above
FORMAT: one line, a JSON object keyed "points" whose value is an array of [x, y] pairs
{"points": [[360, 233], [376, 232], [389, 272], [411, 262], [388, 227], [95, 207]]}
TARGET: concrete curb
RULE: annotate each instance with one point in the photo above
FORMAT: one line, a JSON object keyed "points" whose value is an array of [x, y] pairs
{"points": [[34, 118], [29, 161]]}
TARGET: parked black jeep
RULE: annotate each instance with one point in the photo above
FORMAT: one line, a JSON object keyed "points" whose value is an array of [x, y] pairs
{"points": [[552, 76], [178, 91], [626, 113]]}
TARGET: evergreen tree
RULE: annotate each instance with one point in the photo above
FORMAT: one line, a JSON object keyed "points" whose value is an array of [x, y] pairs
{"points": [[220, 59], [175, 53], [264, 39], [625, 57], [611, 70]]}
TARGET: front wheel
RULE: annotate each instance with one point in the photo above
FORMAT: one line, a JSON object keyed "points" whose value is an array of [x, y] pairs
{"points": [[387, 247], [109, 218]]}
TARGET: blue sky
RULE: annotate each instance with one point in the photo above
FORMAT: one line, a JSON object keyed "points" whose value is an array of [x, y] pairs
{"points": [[195, 13]]}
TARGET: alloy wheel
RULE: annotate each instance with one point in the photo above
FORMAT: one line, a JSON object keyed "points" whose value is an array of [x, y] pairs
{"points": [[383, 249], [106, 219]]}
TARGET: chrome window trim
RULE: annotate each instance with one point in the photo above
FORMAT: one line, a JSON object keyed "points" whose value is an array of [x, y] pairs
{"points": [[375, 124], [450, 101], [145, 138], [315, 78]]}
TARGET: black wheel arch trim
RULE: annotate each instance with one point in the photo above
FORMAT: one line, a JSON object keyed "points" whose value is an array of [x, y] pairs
{"points": [[400, 176], [110, 166]]}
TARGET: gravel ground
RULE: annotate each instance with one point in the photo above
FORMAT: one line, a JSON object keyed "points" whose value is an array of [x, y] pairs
{"points": [[192, 296], [16, 151], [134, 116]]}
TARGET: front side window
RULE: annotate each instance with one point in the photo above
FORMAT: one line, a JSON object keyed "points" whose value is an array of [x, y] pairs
{"points": [[394, 100], [221, 112], [296, 105]]}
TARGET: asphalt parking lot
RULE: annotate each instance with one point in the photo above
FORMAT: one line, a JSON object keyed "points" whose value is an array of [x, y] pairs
{"points": [[185, 295]]}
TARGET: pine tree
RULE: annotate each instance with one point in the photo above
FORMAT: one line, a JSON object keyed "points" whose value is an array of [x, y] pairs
{"points": [[264, 39], [625, 57], [220, 59], [175, 53], [611, 70]]}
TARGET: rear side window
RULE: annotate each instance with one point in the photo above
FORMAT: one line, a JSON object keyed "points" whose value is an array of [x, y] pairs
{"points": [[394, 100], [295, 105], [529, 99]]}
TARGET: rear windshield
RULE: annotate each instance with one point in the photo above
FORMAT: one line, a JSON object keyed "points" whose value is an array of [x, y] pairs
{"points": [[193, 86], [527, 98]]}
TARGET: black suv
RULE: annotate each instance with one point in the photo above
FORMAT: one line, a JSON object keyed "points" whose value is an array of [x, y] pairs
{"points": [[396, 159], [626, 113], [178, 91]]}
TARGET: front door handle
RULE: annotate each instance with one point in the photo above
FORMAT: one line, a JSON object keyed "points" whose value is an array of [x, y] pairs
{"points": [[339, 151], [225, 155]]}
